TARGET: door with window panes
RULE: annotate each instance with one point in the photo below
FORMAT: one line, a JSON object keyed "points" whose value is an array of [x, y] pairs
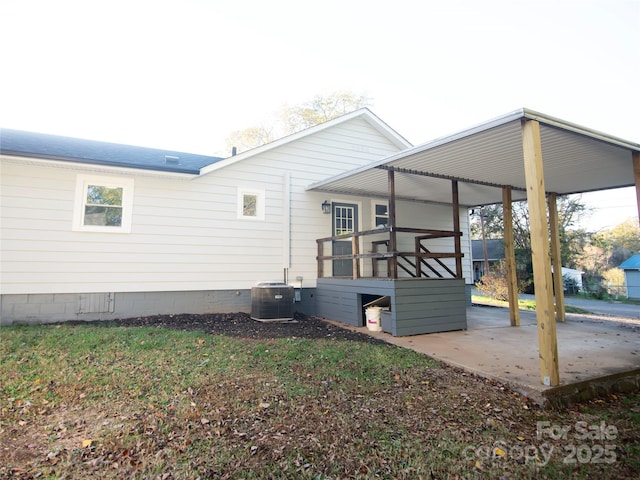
{"points": [[345, 221]]}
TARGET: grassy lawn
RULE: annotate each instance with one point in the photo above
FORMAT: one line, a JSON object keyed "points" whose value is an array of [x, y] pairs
{"points": [[523, 304], [97, 401]]}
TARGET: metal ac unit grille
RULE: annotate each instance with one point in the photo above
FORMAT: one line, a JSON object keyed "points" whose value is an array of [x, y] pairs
{"points": [[272, 302]]}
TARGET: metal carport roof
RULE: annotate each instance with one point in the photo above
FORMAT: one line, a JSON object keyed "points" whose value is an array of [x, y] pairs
{"points": [[489, 156], [514, 151]]}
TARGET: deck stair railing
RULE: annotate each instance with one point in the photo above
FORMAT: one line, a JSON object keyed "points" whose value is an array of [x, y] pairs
{"points": [[419, 263]]}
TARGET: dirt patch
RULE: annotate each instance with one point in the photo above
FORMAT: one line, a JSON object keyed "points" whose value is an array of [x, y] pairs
{"points": [[241, 325], [64, 429]]}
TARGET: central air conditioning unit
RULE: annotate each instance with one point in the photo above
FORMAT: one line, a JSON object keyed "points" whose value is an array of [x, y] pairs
{"points": [[272, 302]]}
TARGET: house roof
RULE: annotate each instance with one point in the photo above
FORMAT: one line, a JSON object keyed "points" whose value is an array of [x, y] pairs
{"points": [[632, 263], [489, 156], [55, 147], [363, 113]]}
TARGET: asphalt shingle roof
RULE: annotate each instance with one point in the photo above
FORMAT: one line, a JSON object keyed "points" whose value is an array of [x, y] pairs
{"points": [[55, 147]]}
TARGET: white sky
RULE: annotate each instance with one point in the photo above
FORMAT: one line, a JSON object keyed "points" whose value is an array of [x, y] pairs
{"points": [[183, 74]]}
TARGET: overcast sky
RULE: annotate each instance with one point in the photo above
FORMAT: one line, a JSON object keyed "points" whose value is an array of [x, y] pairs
{"points": [[183, 74]]}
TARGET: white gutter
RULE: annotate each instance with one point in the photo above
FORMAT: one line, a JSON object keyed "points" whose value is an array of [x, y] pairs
{"points": [[579, 129], [496, 122], [90, 167], [424, 147]]}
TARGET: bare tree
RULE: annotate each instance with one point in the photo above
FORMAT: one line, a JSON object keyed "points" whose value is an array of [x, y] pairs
{"points": [[321, 109], [292, 119], [572, 240], [250, 138]]}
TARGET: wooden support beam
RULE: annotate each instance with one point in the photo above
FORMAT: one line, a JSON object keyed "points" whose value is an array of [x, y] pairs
{"points": [[510, 257], [540, 252], [556, 257], [456, 227], [355, 250], [636, 176], [320, 272], [417, 245], [393, 241]]}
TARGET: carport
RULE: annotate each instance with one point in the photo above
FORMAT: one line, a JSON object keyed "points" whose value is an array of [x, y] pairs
{"points": [[521, 155]]}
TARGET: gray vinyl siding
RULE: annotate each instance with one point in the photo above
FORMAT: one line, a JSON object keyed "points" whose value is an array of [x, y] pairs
{"points": [[185, 234], [417, 306], [633, 283]]}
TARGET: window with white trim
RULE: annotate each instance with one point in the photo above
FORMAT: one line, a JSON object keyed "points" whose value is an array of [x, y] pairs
{"points": [[381, 215], [250, 204], [103, 204]]}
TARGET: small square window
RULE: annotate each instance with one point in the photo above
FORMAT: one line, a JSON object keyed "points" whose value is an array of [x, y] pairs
{"points": [[103, 204], [251, 204]]}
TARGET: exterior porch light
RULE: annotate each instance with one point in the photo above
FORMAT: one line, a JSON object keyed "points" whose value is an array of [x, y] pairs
{"points": [[326, 207]]}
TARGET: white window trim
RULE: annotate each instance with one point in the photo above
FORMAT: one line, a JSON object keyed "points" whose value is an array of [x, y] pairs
{"points": [[82, 182], [373, 210], [260, 194]]}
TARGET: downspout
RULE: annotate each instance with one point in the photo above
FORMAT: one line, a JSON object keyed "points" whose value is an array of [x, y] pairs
{"points": [[286, 231]]}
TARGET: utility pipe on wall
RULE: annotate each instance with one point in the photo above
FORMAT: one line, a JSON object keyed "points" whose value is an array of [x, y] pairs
{"points": [[286, 220]]}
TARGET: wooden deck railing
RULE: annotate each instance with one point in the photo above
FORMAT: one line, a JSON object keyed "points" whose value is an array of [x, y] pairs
{"points": [[419, 263]]}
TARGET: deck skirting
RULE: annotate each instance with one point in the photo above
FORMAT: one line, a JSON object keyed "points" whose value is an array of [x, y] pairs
{"points": [[417, 306]]}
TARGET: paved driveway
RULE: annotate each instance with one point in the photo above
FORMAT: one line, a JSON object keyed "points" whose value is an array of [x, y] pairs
{"points": [[600, 307], [605, 308], [589, 347]]}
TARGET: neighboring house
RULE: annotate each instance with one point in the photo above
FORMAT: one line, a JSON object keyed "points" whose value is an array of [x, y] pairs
{"points": [[572, 280], [495, 254], [631, 268], [93, 230]]}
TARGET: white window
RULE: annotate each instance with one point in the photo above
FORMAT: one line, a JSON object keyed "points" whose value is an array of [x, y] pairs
{"points": [[250, 204], [103, 204], [381, 215]]}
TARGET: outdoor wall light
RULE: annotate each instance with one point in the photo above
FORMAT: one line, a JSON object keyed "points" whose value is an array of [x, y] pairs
{"points": [[326, 207]]}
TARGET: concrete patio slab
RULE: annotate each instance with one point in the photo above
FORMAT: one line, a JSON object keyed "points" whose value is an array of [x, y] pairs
{"points": [[597, 354]]}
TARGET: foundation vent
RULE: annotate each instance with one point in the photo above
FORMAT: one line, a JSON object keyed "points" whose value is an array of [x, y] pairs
{"points": [[96, 303]]}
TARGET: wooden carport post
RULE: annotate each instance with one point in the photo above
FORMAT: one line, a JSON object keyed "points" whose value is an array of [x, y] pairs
{"points": [[636, 175], [456, 227], [556, 257], [510, 257], [534, 176], [393, 236]]}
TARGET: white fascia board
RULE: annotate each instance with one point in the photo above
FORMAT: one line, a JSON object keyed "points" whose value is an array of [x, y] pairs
{"points": [[277, 143], [90, 167], [365, 113], [510, 117], [579, 129], [496, 122], [393, 136]]}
